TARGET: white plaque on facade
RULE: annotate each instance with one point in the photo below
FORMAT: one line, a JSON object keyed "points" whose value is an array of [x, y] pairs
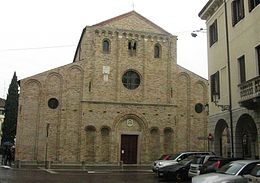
{"points": [[106, 70], [129, 122]]}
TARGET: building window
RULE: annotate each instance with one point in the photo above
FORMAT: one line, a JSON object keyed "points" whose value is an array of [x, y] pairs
{"points": [[157, 50], [106, 46], [214, 85], [246, 146], [237, 11], [252, 4], [53, 103], [131, 80], [242, 70], [258, 58], [132, 47], [213, 33]]}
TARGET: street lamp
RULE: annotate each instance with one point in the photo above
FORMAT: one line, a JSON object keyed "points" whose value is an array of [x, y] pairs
{"points": [[194, 33]]}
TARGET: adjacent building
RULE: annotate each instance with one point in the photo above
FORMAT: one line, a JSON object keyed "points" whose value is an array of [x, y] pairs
{"points": [[124, 99], [233, 28], [2, 114]]}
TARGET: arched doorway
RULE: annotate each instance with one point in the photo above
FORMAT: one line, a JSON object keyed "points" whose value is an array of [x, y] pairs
{"points": [[130, 133], [222, 139], [246, 143]]}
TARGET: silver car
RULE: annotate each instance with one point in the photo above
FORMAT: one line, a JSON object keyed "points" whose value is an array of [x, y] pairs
{"points": [[175, 159], [231, 173]]}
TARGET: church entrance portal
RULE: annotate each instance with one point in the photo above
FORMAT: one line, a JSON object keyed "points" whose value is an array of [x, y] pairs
{"points": [[129, 149]]}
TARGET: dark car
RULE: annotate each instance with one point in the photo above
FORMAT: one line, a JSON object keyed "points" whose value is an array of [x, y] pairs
{"points": [[215, 163], [254, 175], [178, 171]]}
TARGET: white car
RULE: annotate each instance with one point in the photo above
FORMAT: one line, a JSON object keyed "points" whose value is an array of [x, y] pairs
{"points": [[232, 172], [197, 163]]}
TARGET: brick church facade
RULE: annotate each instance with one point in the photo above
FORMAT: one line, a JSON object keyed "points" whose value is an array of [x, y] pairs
{"points": [[124, 98]]}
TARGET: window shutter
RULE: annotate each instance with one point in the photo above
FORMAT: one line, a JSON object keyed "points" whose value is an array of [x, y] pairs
{"points": [[211, 86], [241, 13], [217, 84], [233, 6], [216, 29], [250, 5]]}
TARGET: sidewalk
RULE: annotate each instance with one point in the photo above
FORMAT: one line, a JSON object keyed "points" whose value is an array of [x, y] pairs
{"points": [[82, 167]]}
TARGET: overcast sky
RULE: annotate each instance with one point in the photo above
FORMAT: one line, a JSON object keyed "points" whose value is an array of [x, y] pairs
{"points": [[39, 35]]}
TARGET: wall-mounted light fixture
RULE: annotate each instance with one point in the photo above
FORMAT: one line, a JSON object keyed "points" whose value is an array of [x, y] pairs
{"points": [[215, 97]]}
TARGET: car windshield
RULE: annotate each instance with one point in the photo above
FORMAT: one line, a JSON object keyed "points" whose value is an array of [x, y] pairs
{"points": [[186, 160], [174, 156], [256, 171], [162, 157], [198, 160], [231, 168], [210, 162]]}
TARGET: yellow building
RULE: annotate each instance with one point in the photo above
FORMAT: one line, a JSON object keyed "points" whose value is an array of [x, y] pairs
{"points": [[123, 99], [233, 28]]}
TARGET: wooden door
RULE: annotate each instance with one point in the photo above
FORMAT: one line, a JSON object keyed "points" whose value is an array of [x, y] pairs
{"points": [[129, 149]]}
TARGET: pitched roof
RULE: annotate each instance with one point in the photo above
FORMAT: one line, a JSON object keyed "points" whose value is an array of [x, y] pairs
{"points": [[120, 17]]}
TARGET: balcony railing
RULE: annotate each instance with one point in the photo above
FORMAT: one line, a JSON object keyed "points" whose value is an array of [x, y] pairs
{"points": [[250, 92]]}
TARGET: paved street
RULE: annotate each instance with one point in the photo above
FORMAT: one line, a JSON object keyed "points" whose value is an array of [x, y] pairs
{"points": [[8, 175]]}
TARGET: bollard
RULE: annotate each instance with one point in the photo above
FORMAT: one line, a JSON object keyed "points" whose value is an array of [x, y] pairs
{"points": [[47, 164], [18, 164], [83, 164], [121, 164]]}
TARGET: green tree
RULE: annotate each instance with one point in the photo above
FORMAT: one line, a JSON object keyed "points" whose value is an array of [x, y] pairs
{"points": [[11, 112]]}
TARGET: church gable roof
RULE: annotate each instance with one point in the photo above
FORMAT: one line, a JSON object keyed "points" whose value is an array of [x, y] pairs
{"points": [[132, 21]]}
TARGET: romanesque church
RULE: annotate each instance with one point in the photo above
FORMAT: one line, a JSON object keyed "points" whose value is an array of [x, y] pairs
{"points": [[123, 99]]}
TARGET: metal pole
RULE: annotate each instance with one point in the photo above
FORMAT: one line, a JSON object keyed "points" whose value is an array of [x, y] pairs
{"points": [[229, 81]]}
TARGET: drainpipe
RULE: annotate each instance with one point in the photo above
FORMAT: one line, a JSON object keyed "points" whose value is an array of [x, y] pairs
{"points": [[229, 81]]}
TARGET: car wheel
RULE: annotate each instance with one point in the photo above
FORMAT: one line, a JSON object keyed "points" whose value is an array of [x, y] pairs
{"points": [[179, 177], [158, 174]]}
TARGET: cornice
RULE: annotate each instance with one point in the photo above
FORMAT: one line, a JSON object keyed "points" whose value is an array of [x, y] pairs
{"points": [[210, 8]]}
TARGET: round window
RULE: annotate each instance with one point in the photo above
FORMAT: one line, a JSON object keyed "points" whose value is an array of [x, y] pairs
{"points": [[53, 103], [131, 80], [198, 107]]}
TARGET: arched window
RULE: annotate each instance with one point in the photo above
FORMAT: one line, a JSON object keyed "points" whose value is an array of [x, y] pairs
{"points": [[106, 46], [157, 51], [132, 45]]}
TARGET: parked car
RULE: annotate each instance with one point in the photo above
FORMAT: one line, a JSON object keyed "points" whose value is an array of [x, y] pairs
{"points": [[198, 162], [231, 173], [178, 172], [163, 157], [215, 163], [254, 175], [175, 158]]}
